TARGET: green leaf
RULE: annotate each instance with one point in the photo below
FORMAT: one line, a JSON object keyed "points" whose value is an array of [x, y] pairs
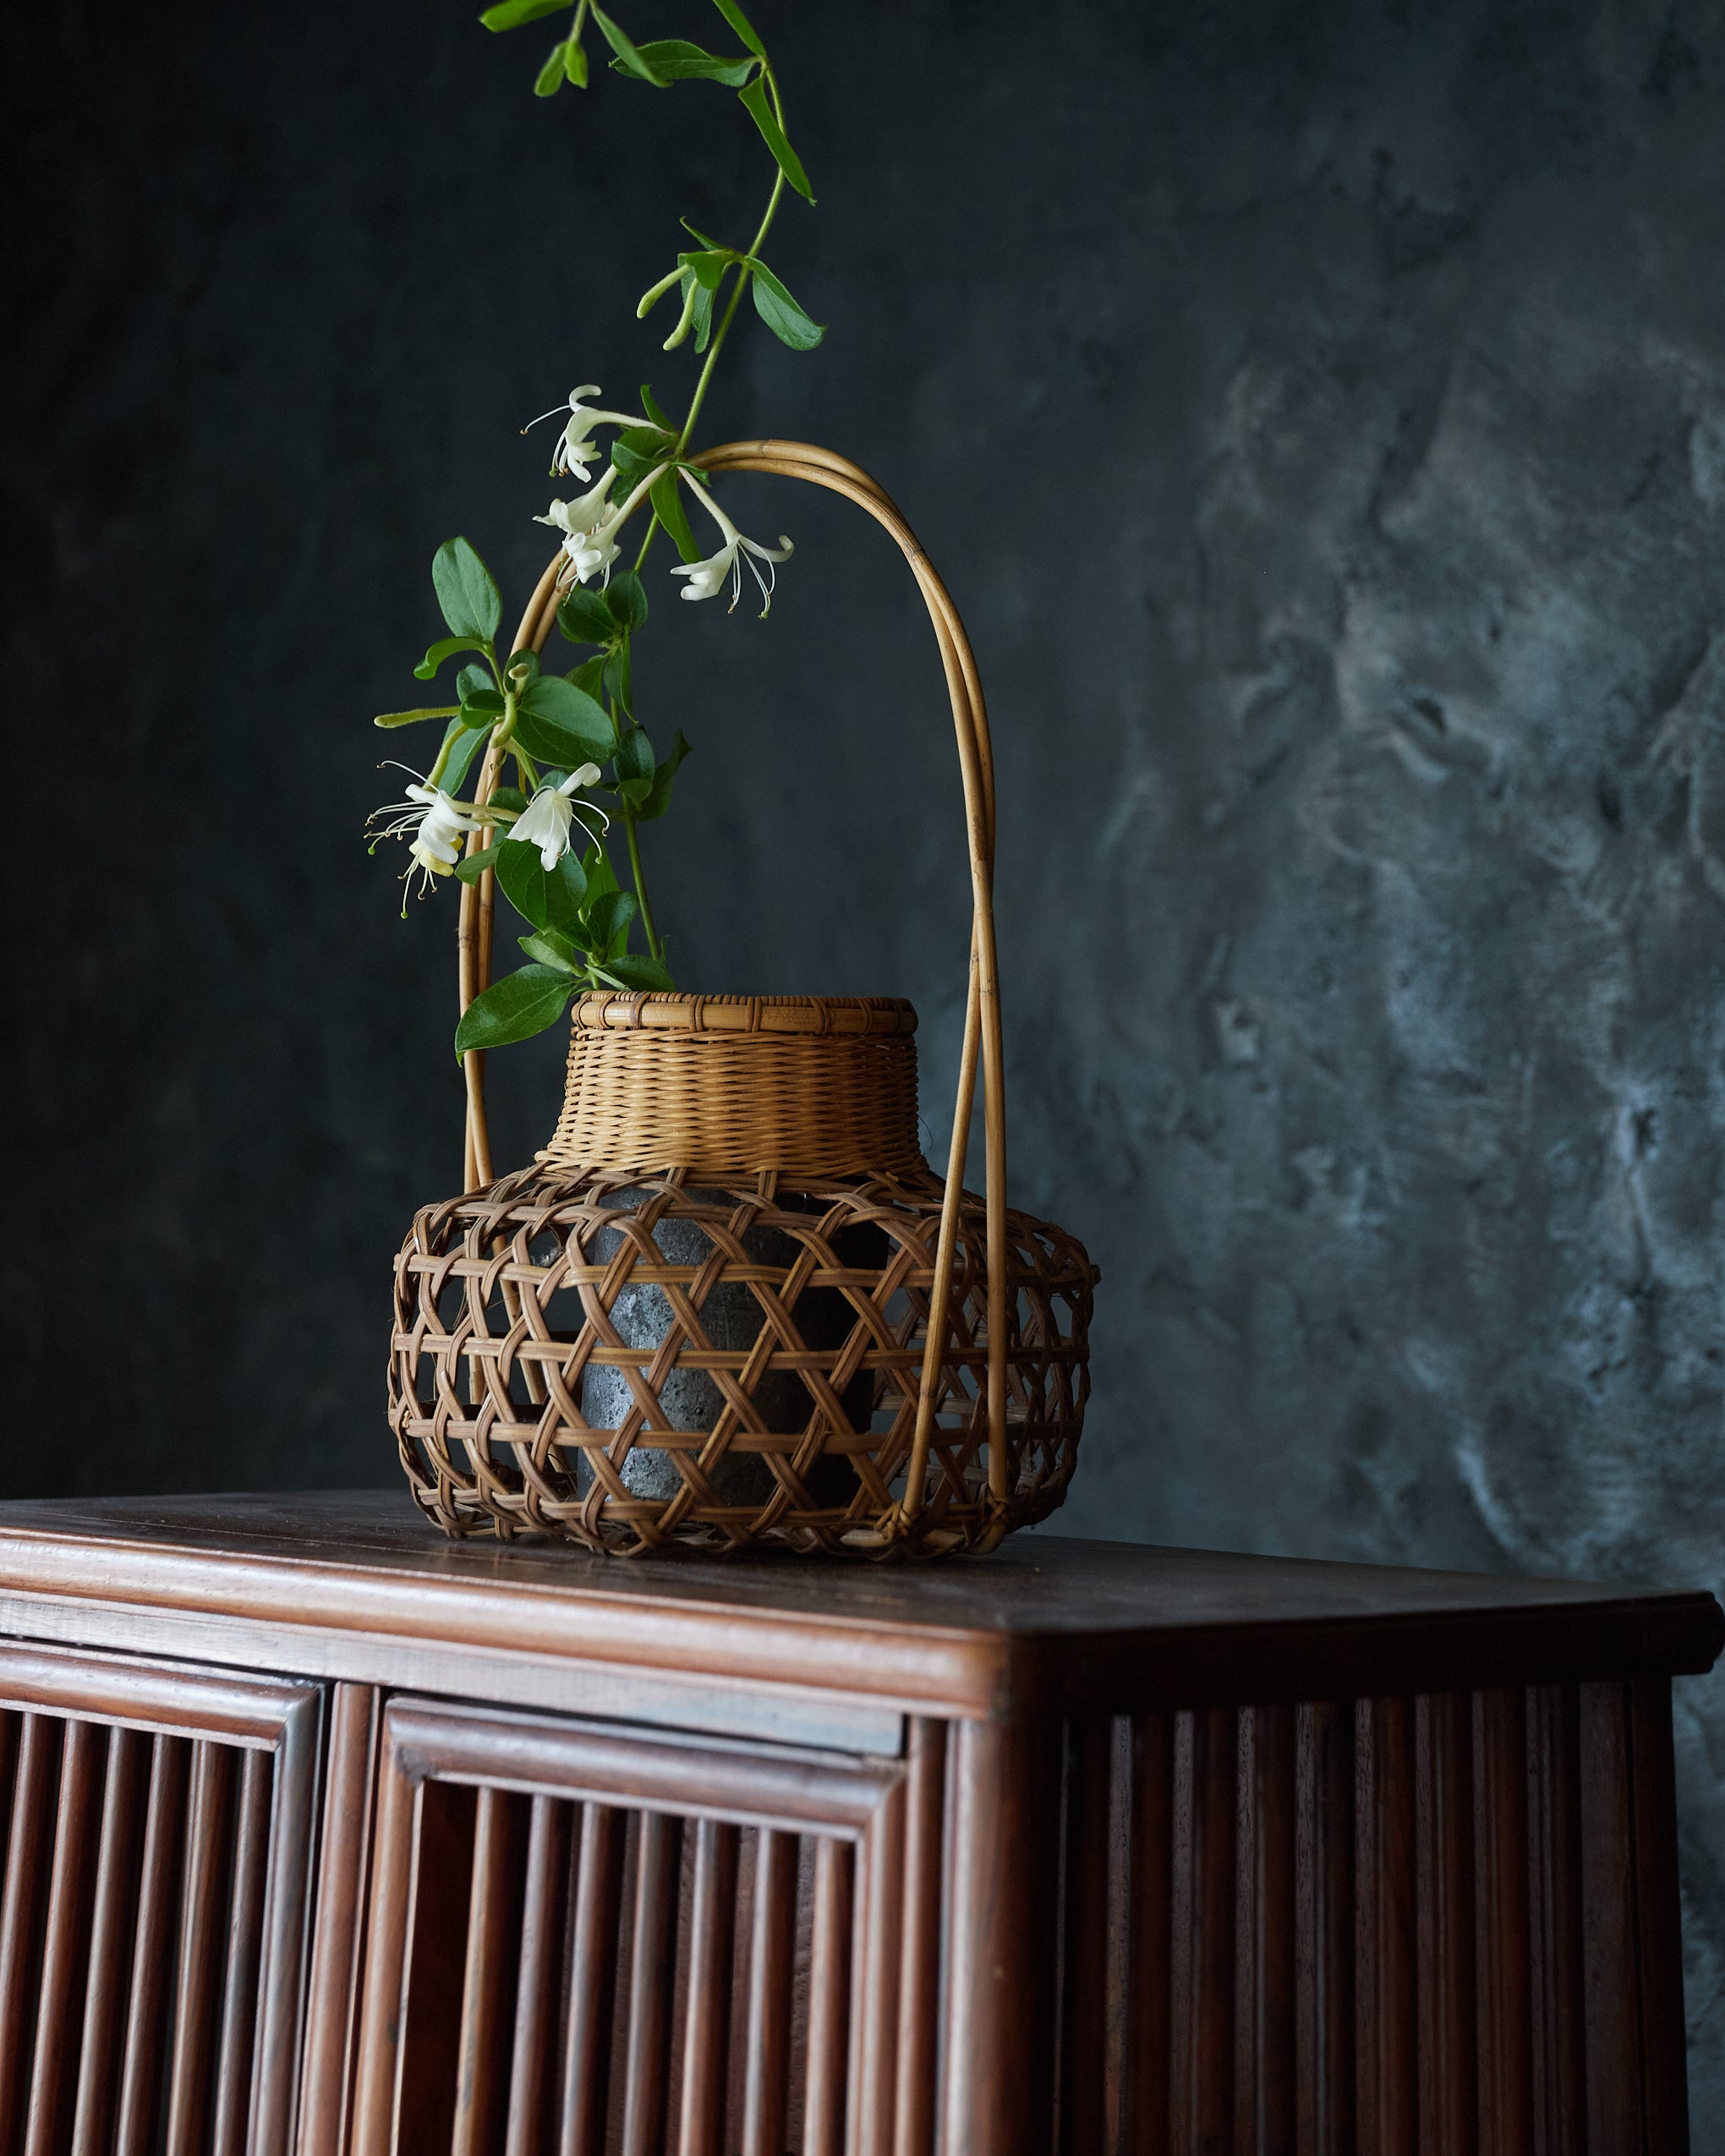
{"points": [[520, 1004], [674, 59], [526, 661], [412, 717], [471, 604], [463, 740], [547, 897], [659, 798], [782, 314], [511, 14], [761, 111], [709, 266], [666, 497], [626, 600], [634, 453], [585, 618], [600, 876], [554, 72], [608, 918], [589, 678], [473, 686], [508, 797], [651, 408], [551, 947], [446, 649], [556, 724], [635, 794], [471, 866], [741, 23], [620, 678], [635, 970], [575, 63], [635, 758], [633, 62]]}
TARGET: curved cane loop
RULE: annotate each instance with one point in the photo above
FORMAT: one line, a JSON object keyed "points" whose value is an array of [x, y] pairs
{"points": [[982, 1038]]}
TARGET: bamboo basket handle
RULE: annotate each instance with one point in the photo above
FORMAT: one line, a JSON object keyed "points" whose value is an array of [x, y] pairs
{"points": [[822, 468]]}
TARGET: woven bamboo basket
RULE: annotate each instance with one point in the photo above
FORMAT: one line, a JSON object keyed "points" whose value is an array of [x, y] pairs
{"points": [[730, 1305]]}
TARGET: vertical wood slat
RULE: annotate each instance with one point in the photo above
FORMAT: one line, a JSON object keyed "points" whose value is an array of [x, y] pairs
{"points": [[28, 1845], [997, 2084], [65, 1938], [439, 1902], [876, 1967], [279, 2046], [1444, 1928], [1658, 1915], [1554, 1900], [592, 1982], [1502, 1991], [1615, 2107], [1084, 2007], [830, 2007], [1149, 1921], [1323, 1744], [202, 1932], [1201, 1971], [652, 1967], [483, 2052], [333, 1986], [1121, 2041], [147, 2015], [707, 2028], [379, 2067], [1387, 2050], [245, 1942], [919, 1974], [772, 1942], [117, 1887], [539, 1986], [1265, 2038]]}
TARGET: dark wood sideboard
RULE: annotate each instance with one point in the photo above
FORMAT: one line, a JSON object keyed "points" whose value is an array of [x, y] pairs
{"points": [[321, 1833]]}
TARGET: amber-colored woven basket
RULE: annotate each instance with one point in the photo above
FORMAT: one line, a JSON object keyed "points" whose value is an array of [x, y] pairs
{"points": [[730, 1305]]}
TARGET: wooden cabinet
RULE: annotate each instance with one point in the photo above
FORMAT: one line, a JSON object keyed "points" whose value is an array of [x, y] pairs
{"points": [[321, 1835]]}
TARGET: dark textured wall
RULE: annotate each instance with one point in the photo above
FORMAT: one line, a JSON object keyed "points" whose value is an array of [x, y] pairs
{"points": [[1320, 413]]}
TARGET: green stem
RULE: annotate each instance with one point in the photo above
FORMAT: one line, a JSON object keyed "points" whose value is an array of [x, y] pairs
{"points": [[703, 383], [737, 290], [653, 945]]}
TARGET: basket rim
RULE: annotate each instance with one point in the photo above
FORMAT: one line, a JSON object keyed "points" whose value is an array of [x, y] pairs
{"points": [[678, 1011]]}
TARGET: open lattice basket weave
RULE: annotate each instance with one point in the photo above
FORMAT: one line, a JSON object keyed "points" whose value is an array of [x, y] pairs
{"points": [[730, 1305]]}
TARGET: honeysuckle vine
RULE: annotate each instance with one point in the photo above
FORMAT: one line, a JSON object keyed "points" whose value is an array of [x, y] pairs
{"points": [[586, 775]]}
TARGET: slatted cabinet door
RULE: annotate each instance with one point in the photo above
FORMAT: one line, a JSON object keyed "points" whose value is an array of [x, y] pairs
{"points": [[157, 1825], [583, 1938]]}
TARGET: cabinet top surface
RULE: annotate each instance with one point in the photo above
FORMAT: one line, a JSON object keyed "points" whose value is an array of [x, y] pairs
{"points": [[367, 1561]]}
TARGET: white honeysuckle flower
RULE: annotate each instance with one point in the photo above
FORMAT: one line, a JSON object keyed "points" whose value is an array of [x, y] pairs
{"points": [[589, 552], [593, 546], [544, 821], [432, 823], [586, 524], [708, 578], [575, 449], [586, 512]]}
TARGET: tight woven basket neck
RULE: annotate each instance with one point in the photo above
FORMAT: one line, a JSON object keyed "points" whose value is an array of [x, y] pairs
{"points": [[725, 1086]]}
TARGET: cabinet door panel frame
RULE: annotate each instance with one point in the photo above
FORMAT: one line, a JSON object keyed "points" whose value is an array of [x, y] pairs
{"points": [[846, 1800], [218, 1713]]}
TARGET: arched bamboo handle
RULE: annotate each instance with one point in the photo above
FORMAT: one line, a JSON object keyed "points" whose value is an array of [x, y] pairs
{"points": [[981, 1029]]}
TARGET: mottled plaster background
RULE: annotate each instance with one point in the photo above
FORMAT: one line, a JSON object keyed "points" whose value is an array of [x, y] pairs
{"points": [[1319, 411]]}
